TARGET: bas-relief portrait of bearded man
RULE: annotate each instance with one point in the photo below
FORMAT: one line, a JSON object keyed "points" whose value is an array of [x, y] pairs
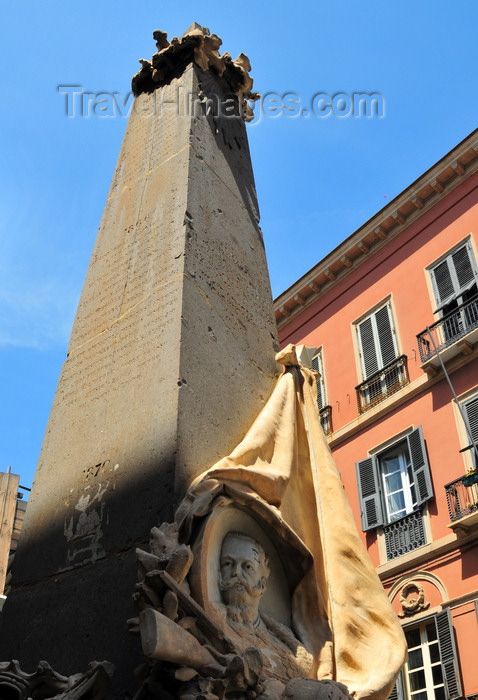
{"points": [[263, 657], [244, 572], [262, 587]]}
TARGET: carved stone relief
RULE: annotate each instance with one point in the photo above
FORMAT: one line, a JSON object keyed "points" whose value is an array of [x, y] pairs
{"points": [[251, 593], [202, 616], [412, 599], [46, 684]]}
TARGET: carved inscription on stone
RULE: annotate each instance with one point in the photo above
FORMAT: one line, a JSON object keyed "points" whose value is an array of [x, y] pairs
{"points": [[135, 341]]}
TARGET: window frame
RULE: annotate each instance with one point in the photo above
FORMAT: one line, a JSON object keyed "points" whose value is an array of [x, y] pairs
{"points": [[407, 484], [472, 421], [448, 659], [378, 349], [458, 290], [317, 363], [369, 480]]}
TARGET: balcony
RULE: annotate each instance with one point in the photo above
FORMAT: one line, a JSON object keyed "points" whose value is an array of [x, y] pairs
{"points": [[462, 500], [461, 324], [382, 384], [404, 535], [325, 414]]}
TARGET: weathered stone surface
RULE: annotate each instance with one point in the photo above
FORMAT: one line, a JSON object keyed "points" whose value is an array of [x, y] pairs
{"points": [[262, 588], [15, 684], [197, 45], [170, 357]]}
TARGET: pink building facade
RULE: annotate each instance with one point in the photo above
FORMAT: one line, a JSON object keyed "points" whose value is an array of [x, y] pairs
{"points": [[390, 319]]}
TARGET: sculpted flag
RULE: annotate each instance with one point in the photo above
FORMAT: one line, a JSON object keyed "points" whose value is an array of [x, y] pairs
{"points": [[339, 608]]}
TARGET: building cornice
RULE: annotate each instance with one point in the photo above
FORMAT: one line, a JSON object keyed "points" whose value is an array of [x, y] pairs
{"points": [[418, 198]]}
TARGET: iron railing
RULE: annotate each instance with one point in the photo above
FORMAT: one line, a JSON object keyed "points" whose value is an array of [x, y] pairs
{"points": [[462, 496], [325, 414], [382, 384], [449, 329], [405, 535]]}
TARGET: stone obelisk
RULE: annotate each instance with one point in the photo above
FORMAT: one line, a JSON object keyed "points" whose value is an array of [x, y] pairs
{"points": [[170, 359]]}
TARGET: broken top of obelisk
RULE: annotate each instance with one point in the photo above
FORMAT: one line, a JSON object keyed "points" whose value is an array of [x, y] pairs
{"points": [[197, 44], [170, 359]]}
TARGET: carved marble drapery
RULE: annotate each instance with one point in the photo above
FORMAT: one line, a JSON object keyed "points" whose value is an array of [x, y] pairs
{"points": [[339, 607]]}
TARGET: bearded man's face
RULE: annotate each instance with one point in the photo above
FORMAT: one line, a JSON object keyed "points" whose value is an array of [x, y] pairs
{"points": [[242, 579]]}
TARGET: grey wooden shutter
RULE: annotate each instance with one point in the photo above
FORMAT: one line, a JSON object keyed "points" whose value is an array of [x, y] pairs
{"points": [[317, 365], [398, 692], [446, 643], [471, 410], [368, 479], [367, 345], [443, 283], [377, 341], [455, 274], [471, 413], [463, 264], [385, 335], [420, 466]]}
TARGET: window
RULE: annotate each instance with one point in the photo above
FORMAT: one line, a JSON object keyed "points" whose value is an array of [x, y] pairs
{"points": [[377, 341], [393, 485], [317, 364], [325, 411], [462, 493], [399, 489], [394, 482], [424, 674], [470, 408], [431, 672], [384, 372], [455, 280]]}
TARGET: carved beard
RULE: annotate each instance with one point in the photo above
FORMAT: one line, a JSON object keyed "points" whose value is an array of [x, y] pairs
{"points": [[237, 594]]}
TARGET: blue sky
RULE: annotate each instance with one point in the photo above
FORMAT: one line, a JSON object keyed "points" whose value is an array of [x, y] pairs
{"points": [[318, 178]]}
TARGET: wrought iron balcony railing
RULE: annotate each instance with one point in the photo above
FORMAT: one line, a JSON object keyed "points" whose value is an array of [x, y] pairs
{"points": [[405, 535], [462, 496], [325, 414], [382, 384], [449, 329]]}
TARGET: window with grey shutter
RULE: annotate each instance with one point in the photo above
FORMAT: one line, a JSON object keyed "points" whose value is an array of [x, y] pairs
{"points": [[471, 413], [471, 408], [446, 643], [455, 278], [420, 467], [317, 364], [368, 480], [431, 671], [377, 341], [394, 483]]}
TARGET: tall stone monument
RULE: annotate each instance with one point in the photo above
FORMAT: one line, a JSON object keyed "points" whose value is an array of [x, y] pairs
{"points": [[171, 357]]}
